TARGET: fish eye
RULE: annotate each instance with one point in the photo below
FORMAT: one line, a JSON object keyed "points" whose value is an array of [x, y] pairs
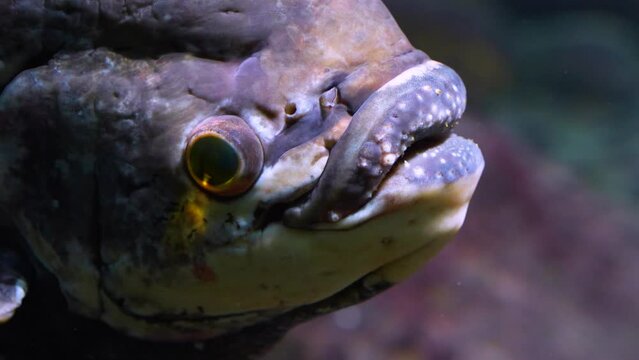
{"points": [[213, 161], [224, 156]]}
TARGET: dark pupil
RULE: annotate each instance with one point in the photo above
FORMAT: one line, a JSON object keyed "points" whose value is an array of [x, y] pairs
{"points": [[213, 160]]}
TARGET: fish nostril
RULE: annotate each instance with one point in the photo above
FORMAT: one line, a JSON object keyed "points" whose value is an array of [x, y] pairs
{"points": [[290, 109], [329, 98], [291, 114]]}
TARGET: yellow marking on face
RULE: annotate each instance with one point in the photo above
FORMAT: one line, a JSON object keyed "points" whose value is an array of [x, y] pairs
{"points": [[187, 225], [194, 215]]}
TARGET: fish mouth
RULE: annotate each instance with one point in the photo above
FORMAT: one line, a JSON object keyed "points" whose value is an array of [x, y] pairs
{"points": [[413, 114]]}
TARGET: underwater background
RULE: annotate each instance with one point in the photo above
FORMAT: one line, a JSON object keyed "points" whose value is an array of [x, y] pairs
{"points": [[547, 264]]}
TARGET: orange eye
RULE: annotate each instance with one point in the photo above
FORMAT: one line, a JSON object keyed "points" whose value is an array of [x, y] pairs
{"points": [[224, 156]]}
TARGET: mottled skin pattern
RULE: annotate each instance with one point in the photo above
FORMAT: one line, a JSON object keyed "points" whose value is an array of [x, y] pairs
{"points": [[98, 103]]}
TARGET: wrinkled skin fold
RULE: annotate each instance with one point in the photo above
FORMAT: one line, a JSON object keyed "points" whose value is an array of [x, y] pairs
{"points": [[363, 179]]}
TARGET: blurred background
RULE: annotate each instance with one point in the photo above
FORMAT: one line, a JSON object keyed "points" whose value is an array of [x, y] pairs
{"points": [[547, 264]]}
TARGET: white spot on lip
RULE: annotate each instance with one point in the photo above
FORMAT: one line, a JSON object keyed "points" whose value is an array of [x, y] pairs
{"points": [[389, 159], [419, 172], [333, 216], [455, 88]]}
